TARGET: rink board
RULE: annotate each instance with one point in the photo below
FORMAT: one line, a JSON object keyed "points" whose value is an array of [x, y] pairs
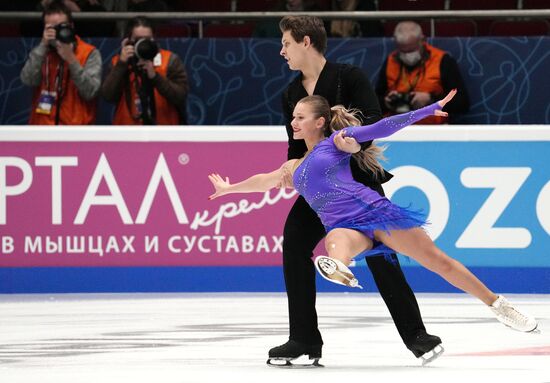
{"points": [[126, 209]]}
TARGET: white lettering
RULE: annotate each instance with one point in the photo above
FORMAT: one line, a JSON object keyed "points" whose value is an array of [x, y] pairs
{"points": [[231, 210], [431, 186], [201, 246], [96, 247], [53, 246], [103, 171], [262, 245], [481, 233], [56, 163], [128, 244], [112, 245], [171, 246], [543, 207], [232, 245], [277, 244], [189, 243], [7, 245], [33, 245], [161, 173], [218, 239], [247, 244], [75, 246], [151, 244], [20, 188]]}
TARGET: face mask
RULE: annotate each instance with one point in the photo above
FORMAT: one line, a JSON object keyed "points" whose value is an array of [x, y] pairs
{"points": [[410, 58]]}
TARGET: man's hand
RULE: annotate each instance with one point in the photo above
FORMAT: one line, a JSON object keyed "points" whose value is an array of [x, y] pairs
{"points": [[346, 144], [148, 67], [48, 35], [126, 51], [420, 99], [66, 51], [388, 99]]}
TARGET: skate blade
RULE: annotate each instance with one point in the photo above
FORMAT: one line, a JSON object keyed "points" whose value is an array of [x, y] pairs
{"points": [[287, 363], [536, 330], [432, 355]]}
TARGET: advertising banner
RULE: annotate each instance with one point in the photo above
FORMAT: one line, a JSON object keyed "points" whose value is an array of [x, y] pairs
{"points": [[106, 197]]}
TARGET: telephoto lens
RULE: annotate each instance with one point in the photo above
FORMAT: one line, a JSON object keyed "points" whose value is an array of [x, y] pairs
{"points": [[64, 33], [146, 49]]}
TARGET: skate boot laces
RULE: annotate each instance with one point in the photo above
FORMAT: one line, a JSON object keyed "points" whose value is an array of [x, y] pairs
{"points": [[511, 317]]}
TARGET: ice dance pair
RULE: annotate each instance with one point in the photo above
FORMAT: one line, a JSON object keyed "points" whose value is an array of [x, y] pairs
{"points": [[357, 219]]}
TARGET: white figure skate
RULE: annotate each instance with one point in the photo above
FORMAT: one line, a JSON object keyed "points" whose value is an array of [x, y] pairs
{"points": [[511, 317], [335, 271]]}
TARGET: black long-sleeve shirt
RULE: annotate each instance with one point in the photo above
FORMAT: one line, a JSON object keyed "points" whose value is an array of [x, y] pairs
{"points": [[340, 84]]}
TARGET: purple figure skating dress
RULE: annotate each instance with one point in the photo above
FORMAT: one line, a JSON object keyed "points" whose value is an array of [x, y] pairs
{"points": [[324, 179]]}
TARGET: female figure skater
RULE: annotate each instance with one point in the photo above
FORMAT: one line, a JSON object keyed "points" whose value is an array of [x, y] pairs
{"points": [[359, 221]]}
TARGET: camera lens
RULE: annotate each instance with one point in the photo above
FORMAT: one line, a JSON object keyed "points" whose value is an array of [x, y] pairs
{"points": [[146, 49], [64, 33]]}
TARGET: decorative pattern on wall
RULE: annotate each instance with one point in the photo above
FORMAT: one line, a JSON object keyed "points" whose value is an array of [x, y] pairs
{"points": [[239, 81]]}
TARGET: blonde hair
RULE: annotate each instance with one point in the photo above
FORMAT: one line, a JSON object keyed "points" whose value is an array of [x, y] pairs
{"points": [[338, 118]]}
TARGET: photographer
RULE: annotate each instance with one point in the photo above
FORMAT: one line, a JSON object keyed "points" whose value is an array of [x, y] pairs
{"points": [[417, 74], [148, 84], [64, 71]]}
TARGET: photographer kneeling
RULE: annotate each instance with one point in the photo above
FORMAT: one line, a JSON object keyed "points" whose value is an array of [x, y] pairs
{"points": [[147, 84], [417, 74], [64, 71]]}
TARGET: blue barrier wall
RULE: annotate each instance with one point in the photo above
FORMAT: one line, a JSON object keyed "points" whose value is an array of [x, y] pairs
{"points": [[239, 81], [486, 191]]}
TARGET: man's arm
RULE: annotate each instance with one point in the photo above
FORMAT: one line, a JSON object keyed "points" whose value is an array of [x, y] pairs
{"points": [[452, 79], [174, 87], [87, 79], [362, 97], [31, 74], [112, 86], [382, 86]]}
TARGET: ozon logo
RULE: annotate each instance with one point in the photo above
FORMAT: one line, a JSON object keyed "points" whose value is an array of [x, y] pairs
{"points": [[481, 231]]}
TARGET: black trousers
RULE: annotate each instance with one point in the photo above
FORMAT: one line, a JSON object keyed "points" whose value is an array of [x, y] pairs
{"points": [[303, 231]]}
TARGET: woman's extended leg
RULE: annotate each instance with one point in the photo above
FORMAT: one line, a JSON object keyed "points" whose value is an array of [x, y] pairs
{"points": [[416, 244]]}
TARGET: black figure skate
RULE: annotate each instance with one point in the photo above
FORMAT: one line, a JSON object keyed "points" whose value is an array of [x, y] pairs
{"points": [[282, 356], [426, 347], [335, 271]]}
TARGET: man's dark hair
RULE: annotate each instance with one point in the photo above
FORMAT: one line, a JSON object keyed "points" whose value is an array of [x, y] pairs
{"points": [[139, 21], [301, 26], [57, 7]]}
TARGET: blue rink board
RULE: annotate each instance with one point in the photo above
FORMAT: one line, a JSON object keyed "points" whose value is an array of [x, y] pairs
{"points": [[228, 279]]}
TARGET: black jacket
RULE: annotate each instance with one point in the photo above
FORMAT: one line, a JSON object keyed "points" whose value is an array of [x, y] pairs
{"points": [[339, 84]]}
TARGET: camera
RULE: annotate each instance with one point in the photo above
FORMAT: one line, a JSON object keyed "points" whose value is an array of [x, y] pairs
{"points": [[145, 49], [401, 102], [64, 33]]}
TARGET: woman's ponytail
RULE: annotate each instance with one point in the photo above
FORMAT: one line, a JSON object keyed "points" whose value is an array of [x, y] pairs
{"points": [[367, 159]]}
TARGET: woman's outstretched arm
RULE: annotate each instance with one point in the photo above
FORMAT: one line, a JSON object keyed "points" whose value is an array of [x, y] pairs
{"points": [[390, 125], [256, 183]]}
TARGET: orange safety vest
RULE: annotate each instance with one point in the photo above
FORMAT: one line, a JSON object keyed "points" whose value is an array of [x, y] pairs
{"points": [[74, 109], [166, 113], [426, 77]]}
